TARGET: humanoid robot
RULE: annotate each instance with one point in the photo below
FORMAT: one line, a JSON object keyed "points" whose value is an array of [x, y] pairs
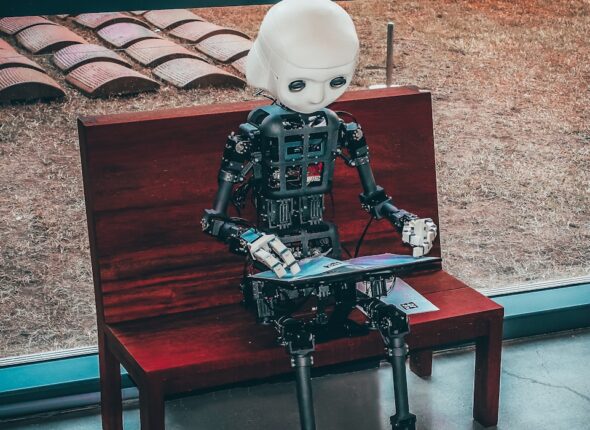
{"points": [[304, 57]]}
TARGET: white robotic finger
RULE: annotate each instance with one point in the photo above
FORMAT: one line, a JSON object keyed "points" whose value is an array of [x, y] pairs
{"points": [[295, 269], [285, 254], [270, 261], [420, 234], [407, 232]]}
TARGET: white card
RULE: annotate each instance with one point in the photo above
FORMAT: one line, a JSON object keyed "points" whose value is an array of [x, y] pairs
{"points": [[407, 299]]}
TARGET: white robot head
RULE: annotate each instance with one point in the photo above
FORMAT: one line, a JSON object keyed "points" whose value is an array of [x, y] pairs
{"points": [[305, 54]]}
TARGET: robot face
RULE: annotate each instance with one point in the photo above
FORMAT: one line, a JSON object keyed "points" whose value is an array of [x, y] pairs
{"points": [[305, 54], [309, 90]]}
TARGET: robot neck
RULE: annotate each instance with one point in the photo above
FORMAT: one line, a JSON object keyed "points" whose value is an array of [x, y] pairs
{"points": [[291, 111]]}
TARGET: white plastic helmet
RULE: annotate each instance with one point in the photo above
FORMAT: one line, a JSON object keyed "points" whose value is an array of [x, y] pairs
{"points": [[305, 54]]}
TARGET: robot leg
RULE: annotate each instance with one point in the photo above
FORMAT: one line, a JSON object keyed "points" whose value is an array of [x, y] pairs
{"points": [[396, 355], [299, 342], [393, 325]]}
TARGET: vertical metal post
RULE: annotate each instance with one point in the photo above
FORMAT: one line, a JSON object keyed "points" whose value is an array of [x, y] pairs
{"points": [[389, 61], [396, 355], [302, 364]]}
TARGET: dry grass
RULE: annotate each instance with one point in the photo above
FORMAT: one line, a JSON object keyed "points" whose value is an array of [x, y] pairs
{"points": [[511, 86]]}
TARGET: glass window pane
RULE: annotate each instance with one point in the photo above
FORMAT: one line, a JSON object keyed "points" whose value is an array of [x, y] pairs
{"points": [[510, 121]]}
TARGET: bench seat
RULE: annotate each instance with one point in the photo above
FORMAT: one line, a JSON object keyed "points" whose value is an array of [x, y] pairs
{"points": [[217, 346]]}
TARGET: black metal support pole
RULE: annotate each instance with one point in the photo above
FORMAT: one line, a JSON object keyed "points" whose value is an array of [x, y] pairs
{"points": [[302, 364], [396, 355]]}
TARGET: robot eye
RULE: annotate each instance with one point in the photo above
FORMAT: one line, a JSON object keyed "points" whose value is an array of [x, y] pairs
{"points": [[296, 86], [337, 82]]}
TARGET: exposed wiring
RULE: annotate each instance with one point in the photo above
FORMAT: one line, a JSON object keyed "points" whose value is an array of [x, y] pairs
{"points": [[247, 266], [392, 285], [332, 204], [333, 216], [239, 196], [240, 221], [360, 241], [263, 94], [346, 113]]}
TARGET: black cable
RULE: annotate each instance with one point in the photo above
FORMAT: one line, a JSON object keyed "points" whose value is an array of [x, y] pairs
{"points": [[247, 266], [240, 221], [347, 113], [392, 285], [360, 241], [332, 203], [334, 216], [240, 195], [261, 93]]}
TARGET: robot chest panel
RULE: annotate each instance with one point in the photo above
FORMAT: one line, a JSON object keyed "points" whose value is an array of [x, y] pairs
{"points": [[297, 151], [298, 165]]}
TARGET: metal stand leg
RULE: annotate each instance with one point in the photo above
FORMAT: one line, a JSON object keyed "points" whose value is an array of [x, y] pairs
{"points": [[396, 355], [302, 364], [394, 325], [300, 343]]}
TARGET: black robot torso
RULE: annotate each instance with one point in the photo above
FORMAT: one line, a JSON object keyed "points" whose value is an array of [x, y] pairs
{"points": [[297, 155]]}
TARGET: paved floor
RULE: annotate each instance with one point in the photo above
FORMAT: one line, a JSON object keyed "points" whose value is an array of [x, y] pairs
{"points": [[545, 385]]}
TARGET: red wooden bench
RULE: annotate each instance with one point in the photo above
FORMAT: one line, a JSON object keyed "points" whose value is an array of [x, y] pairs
{"points": [[167, 295]]}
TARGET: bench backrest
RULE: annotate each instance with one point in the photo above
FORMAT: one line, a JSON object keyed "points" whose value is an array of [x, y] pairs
{"points": [[148, 177]]}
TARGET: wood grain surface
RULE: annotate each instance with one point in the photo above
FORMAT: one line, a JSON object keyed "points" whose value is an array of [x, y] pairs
{"points": [[149, 177]]}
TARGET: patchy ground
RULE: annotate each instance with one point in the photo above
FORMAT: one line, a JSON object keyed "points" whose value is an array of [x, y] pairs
{"points": [[511, 87]]}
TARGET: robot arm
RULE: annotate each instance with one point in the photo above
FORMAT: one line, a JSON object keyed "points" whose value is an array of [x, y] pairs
{"points": [[235, 164], [417, 232], [238, 159]]}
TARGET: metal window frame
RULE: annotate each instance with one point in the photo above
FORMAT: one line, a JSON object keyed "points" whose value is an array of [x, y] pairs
{"points": [[56, 7]]}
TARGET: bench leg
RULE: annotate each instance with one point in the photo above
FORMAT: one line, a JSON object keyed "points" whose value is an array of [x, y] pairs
{"points": [[110, 389], [488, 352], [151, 406], [421, 362]]}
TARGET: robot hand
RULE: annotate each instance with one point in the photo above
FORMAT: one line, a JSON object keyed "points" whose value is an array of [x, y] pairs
{"points": [[270, 251], [420, 234]]}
